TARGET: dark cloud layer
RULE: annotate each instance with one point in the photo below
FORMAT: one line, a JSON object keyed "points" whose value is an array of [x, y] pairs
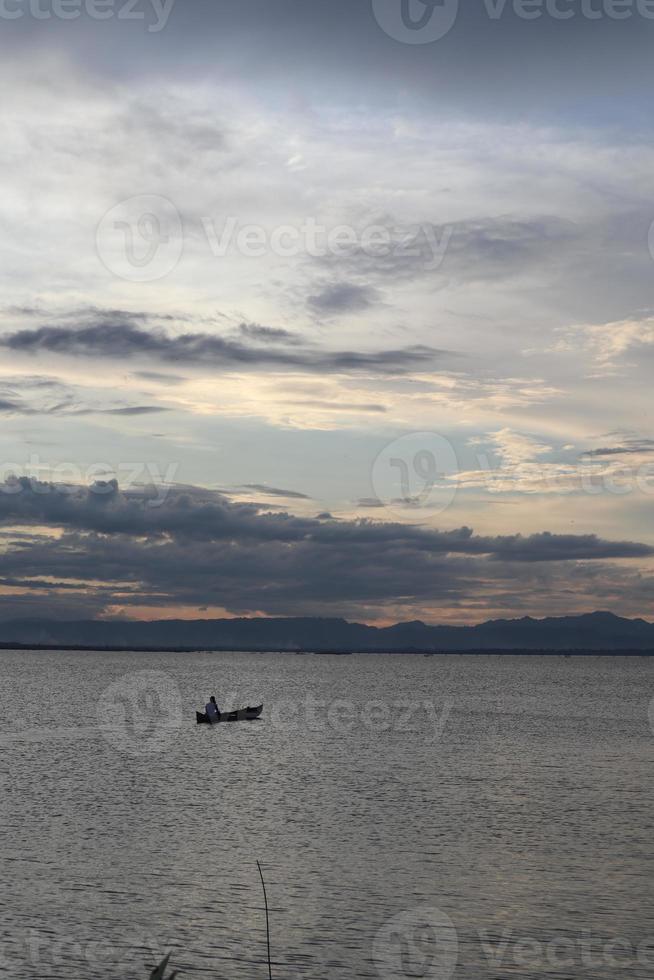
{"points": [[492, 59], [487, 248], [631, 447], [201, 548], [21, 408], [125, 340], [104, 509], [342, 297], [276, 491]]}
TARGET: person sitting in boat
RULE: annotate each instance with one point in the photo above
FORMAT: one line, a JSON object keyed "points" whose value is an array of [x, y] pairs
{"points": [[211, 709]]}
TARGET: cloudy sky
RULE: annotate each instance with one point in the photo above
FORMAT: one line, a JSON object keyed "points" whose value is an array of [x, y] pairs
{"points": [[326, 308]]}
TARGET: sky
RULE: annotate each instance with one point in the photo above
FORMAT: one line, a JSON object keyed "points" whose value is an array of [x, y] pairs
{"points": [[326, 308]]}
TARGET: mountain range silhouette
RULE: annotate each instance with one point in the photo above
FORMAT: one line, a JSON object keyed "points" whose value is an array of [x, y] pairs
{"points": [[598, 631]]}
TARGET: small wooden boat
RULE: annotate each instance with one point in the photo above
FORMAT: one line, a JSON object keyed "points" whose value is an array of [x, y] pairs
{"points": [[243, 714]]}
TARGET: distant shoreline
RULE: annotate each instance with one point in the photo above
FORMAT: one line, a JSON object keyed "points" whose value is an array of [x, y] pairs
{"points": [[312, 651]]}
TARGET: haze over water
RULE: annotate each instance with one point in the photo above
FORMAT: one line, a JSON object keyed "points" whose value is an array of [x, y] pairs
{"points": [[516, 800]]}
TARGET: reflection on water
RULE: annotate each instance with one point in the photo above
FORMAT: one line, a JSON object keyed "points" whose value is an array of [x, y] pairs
{"points": [[502, 828]]}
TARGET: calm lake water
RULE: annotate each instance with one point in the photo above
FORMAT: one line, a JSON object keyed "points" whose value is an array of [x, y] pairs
{"points": [[503, 827]]}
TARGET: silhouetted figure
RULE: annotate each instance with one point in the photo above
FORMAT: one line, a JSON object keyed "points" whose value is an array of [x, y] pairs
{"points": [[212, 710]]}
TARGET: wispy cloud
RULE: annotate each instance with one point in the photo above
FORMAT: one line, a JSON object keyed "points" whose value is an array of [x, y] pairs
{"points": [[608, 344], [276, 491], [125, 341]]}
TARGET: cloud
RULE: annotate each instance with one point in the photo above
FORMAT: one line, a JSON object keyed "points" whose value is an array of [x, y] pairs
{"points": [[276, 492], [130, 410], [160, 377], [473, 250], [342, 297], [124, 340], [507, 246], [268, 335], [630, 447], [13, 408], [256, 44], [115, 548], [515, 448], [187, 512], [69, 406], [333, 406], [522, 469], [608, 343]]}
